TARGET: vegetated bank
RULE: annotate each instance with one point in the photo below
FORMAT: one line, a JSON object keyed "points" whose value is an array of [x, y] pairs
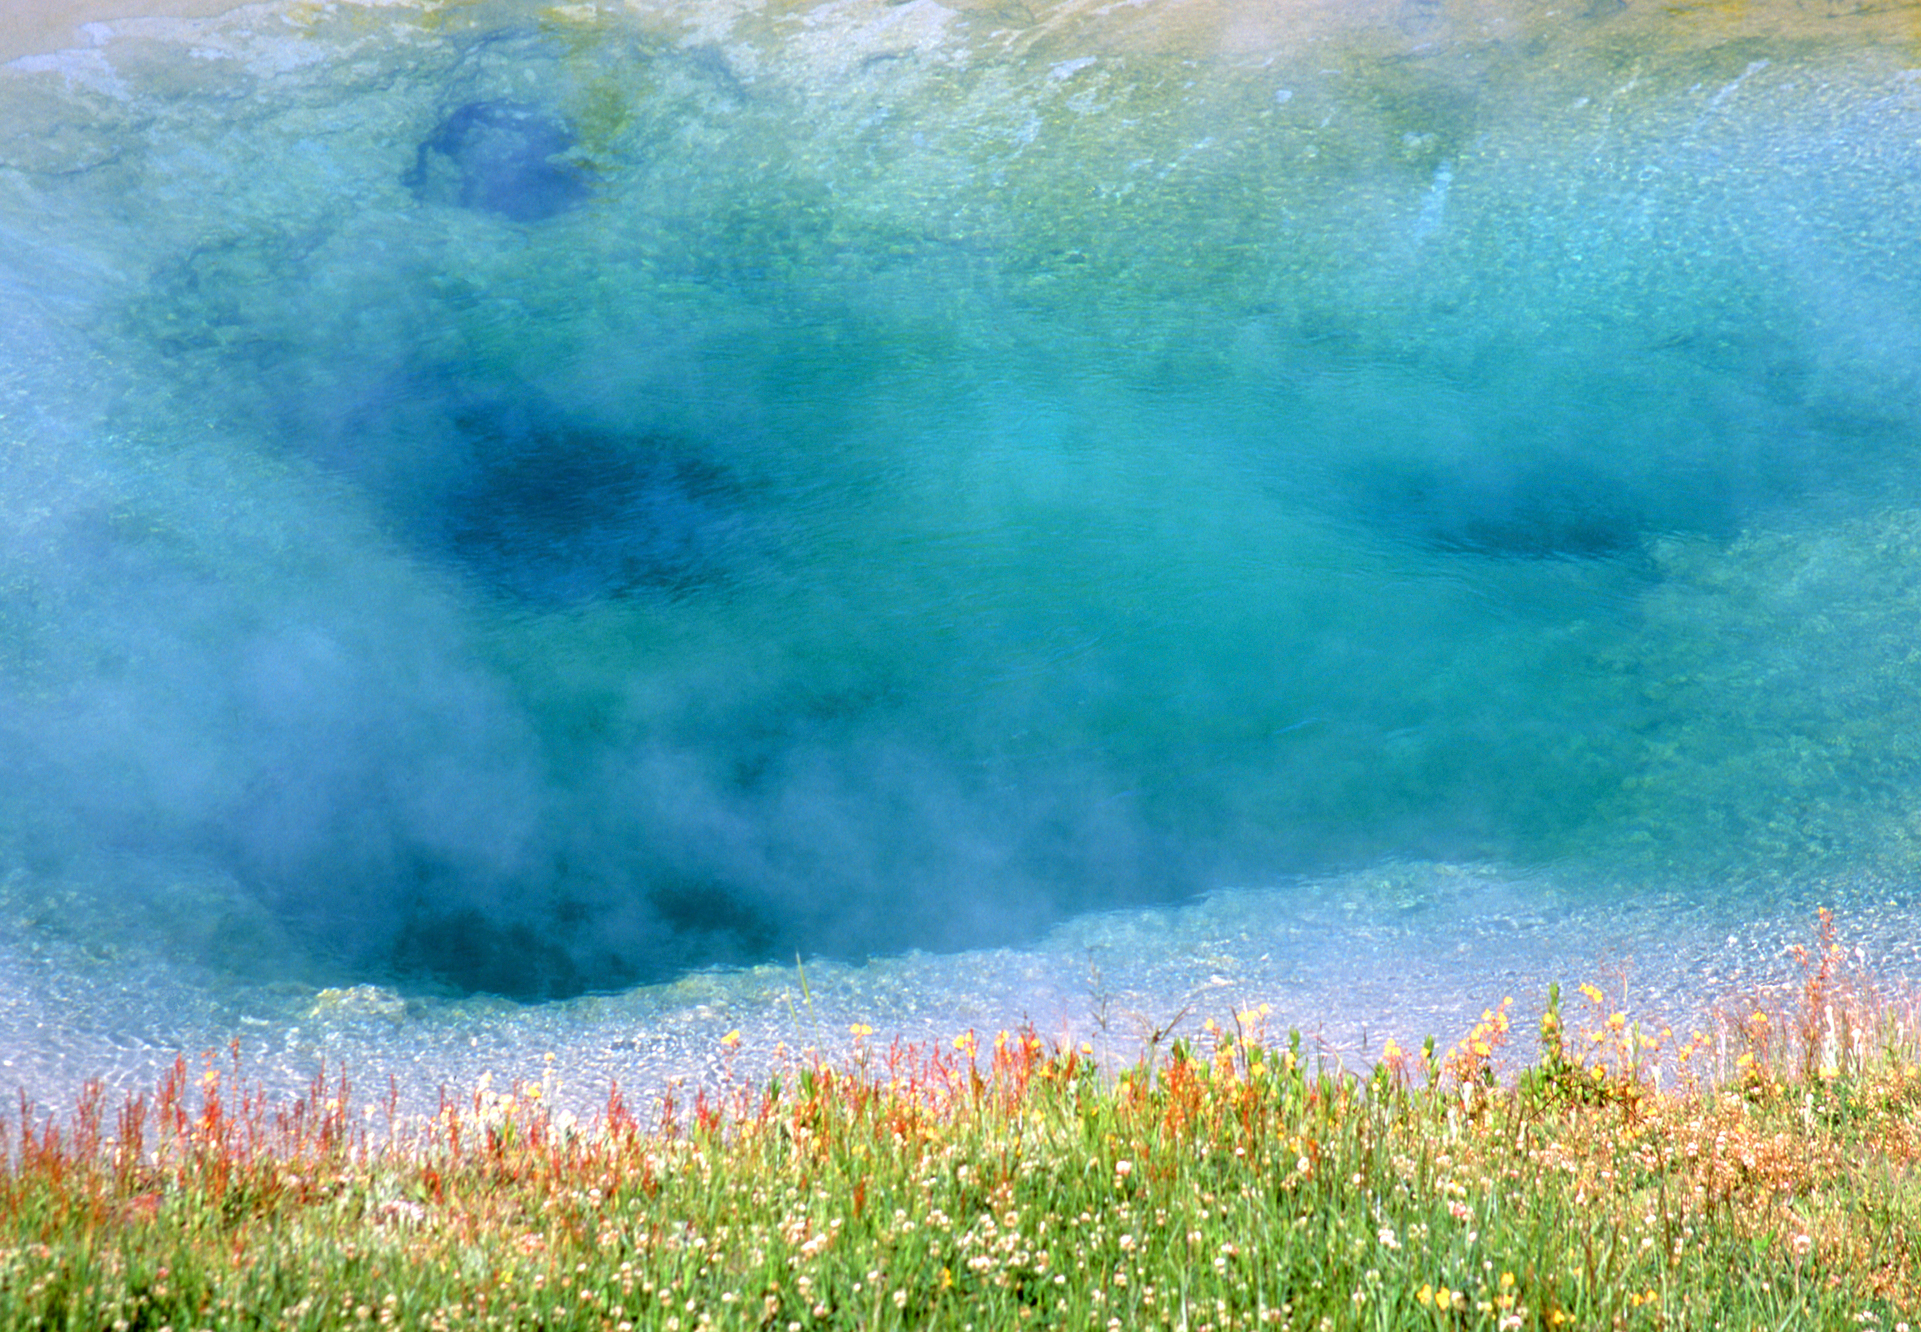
{"points": [[1764, 1170]]}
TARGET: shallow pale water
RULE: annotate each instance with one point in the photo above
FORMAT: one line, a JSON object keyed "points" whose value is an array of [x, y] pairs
{"points": [[1047, 512]]}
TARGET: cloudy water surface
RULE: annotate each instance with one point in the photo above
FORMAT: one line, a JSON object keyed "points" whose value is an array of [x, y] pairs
{"points": [[518, 522]]}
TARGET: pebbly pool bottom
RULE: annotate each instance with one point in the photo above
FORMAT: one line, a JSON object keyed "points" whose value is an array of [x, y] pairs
{"points": [[522, 521]]}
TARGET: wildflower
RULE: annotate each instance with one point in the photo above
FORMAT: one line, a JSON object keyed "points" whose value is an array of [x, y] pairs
{"points": [[860, 1029], [731, 1041], [1388, 1239]]}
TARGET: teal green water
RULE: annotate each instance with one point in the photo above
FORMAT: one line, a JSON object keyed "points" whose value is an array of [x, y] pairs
{"points": [[906, 506]]}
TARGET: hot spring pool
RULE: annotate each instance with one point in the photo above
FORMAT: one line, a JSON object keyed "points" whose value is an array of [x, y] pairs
{"points": [[523, 520]]}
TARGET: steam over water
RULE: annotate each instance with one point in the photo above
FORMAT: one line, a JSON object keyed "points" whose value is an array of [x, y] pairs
{"points": [[1035, 508]]}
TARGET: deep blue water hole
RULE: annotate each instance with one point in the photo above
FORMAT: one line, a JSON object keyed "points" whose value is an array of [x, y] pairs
{"points": [[502, 157]]}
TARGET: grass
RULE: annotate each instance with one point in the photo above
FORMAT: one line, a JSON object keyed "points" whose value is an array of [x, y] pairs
{"points": [[1762, 1172]]}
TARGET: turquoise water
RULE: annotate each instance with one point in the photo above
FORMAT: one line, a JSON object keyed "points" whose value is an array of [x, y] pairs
{"points": [[521, 501]]}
